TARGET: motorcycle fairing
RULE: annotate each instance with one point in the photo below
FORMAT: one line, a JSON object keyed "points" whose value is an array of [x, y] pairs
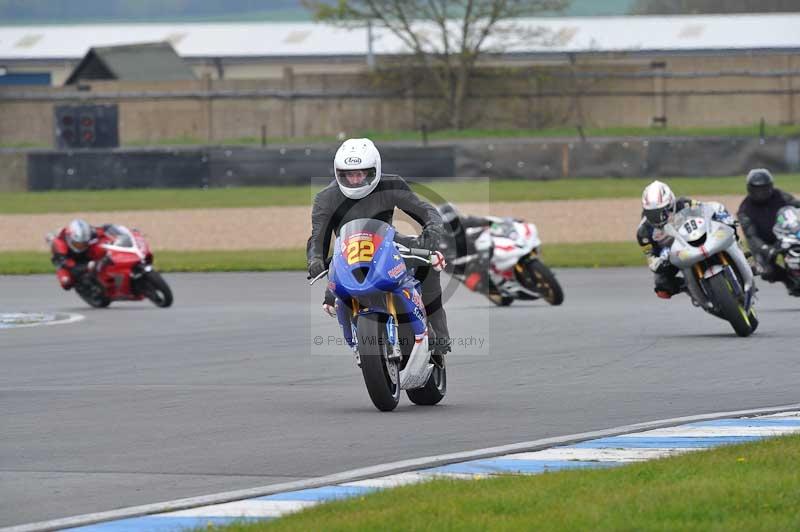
{"points": [[365, 259], [385, 286]]}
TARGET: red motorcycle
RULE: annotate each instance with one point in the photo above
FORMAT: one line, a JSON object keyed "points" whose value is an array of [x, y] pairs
{"points": [[125, 273]]}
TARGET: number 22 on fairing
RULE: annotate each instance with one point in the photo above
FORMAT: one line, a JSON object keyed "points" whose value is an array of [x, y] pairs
{"points": [[360, 251]]}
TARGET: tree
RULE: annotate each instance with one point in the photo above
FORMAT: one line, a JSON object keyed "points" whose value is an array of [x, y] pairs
{"points": [[677, 7], [445, 37]]}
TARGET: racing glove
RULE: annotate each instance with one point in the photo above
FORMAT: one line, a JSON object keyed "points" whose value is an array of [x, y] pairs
{"points": [[315, 267], [329, 304], [430, 237]]}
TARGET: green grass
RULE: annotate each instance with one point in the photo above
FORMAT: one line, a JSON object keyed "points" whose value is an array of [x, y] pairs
{"points": [[753, 130], [748, 487], [621, 131], [460, 192], [32, 262], [593, 255]]}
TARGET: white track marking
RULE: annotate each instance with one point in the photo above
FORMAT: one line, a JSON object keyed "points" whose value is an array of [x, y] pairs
{"points": [[597, 455], [404, 479], [711, 432], [251, 508], [69, 318]]}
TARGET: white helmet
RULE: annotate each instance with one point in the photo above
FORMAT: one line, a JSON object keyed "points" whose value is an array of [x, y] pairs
{"points": [[78, 235], [357, 154], [658, 203]]}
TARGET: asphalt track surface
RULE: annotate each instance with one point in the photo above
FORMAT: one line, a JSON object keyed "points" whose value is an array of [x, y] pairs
{"points": [[226, 390]]}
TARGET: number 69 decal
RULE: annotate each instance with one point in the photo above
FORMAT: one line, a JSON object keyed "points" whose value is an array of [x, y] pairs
{"points": [[691, 225]]}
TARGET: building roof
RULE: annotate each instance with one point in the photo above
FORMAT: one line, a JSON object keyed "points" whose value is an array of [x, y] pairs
{"points": [[576, 34], [134, 62]]}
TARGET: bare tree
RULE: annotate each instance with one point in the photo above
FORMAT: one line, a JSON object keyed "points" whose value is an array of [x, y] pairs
{"points": [[445, 37]]}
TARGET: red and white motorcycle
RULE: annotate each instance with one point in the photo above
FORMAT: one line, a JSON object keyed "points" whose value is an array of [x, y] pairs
{"points": [[515, 269]]}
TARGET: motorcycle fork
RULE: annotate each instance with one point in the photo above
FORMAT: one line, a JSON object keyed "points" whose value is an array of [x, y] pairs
{"points": [[533, 255], [392, 330]]}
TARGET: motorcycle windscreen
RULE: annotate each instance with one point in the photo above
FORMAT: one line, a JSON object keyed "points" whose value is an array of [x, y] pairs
{"points": [[365, 259]]}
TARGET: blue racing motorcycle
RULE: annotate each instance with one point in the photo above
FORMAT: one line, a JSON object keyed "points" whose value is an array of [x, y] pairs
{"points": [[379, 306]]}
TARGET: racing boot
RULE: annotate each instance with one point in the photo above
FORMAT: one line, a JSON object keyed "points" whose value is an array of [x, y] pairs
{"points": [[668, 286], [439, 341]]}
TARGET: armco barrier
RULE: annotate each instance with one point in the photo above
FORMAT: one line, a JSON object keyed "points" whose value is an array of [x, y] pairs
{"points": [[509, 159], [213, 167]]}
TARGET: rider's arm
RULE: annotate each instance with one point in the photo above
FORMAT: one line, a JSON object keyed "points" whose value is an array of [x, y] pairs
{"points": [[790, 200], [418, 209], [321, 227], [750, 231], [60, 257], [475, 221], [656, 256]]}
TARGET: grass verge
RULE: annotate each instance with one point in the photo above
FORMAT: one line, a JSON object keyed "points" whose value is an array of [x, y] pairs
{"points": [[459, 191], [749, 487], [753, 130], [593, 255]]}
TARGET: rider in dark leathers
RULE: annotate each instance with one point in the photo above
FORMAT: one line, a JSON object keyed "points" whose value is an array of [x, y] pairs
{"points": [[460, 244], [757, 215], [376, 196]]}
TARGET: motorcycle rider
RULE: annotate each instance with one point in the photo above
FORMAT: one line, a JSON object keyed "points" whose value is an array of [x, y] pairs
{"points": [[659, 205], [460, 243], [76, 251], [757, 214], [362, 191]]}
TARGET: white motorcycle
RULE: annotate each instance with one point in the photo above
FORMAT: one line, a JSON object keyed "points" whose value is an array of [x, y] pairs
{"points": [[718, 277], [787, 231], [515, 268]]}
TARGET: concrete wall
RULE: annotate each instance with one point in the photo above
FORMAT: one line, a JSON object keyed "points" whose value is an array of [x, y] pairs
{"points": [[216, 111]]}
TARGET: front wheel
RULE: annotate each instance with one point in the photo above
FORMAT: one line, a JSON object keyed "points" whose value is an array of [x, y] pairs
{"points": [[730, 308], [541, 279], [500, 301], [434, 390], [381, 376], [156, 289], [90, 290]]}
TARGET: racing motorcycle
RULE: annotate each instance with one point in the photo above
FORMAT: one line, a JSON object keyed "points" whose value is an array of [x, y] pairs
{"points": [[371, 273], [787, 231], [718, 277], [515, 268], [126, 272]]}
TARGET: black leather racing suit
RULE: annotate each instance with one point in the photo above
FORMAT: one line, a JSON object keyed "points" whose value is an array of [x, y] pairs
{"points": [[757, 220], [457, 243], [332, 210]]}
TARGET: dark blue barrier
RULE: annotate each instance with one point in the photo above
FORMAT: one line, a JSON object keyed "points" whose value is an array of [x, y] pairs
{"points": [[214, 167]]}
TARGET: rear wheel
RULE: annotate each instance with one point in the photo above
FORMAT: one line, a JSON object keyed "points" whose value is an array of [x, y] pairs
{"points": [[156, 289], [730, 307], [434, 390], [381, 376], [541, 279]]}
